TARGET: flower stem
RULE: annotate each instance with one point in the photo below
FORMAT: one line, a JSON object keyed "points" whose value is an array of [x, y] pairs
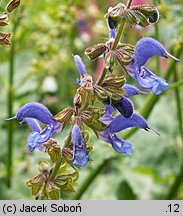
{"points": [[10, 99], [175, 186], [103, 74], [176, 84], [121, 27], [117, 39], [156, 26], [58, 164], [90, 179], [178, 105], [56, 168], [178, 180]]}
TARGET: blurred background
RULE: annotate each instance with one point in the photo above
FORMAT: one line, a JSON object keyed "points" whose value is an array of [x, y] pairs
{"points": [[38, 66]]}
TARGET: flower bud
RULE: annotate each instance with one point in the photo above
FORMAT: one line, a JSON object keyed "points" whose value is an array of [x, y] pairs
{"points": [[95, 51], [43, 167], [4, 19], [4, 39], [114, 15], [64, 115], [77, 100], [124, 53], [100, 93], [85, 96], [150, 11], [67, 153], [110, 60], [113, 82], [12, 5], [142, 15], [53, 150], [91, 119]]}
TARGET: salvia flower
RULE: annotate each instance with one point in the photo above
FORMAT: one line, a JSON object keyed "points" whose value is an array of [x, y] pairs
{"points": [[32, 113], [125, 106], [131, 90], [80, 65], [80, 154], [145, 49], [117, 124]]}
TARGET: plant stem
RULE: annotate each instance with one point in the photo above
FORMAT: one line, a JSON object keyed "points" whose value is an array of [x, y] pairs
{"points": [[58, 164], [178, 105], [10, 99], [121, 27], [145, 111], [156, 26], [175, 186], [178, 180], [56, 168], [102, 76], [116, 41], [90, 179], [119, 33], [176, 84], [157, 57]]}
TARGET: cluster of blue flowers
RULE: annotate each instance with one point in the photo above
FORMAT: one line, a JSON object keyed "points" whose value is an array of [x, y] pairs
{"points": [[33, 112]]}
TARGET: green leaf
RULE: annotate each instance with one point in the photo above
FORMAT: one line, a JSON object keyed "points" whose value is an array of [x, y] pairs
{"points": [[125, 192]]}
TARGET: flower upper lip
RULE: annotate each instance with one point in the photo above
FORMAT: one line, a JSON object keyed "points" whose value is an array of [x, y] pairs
{"points": [[32, 113], [145, 49]]}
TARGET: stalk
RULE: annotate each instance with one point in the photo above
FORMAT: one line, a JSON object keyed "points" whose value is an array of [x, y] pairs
{"points": [[58, 164], [117, 39], [178, 180], [10, 100], [156, 26], [91, 178]]}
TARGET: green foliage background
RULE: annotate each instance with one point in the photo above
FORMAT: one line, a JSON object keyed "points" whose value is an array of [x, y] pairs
{"points": [[47, 34]]}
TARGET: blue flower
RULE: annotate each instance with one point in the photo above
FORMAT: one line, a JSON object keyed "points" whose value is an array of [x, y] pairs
{"points": [[118, 124], [131, 90], [32, 113], [145, 49], [80, 154], [125, 106], [80, 65]]}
